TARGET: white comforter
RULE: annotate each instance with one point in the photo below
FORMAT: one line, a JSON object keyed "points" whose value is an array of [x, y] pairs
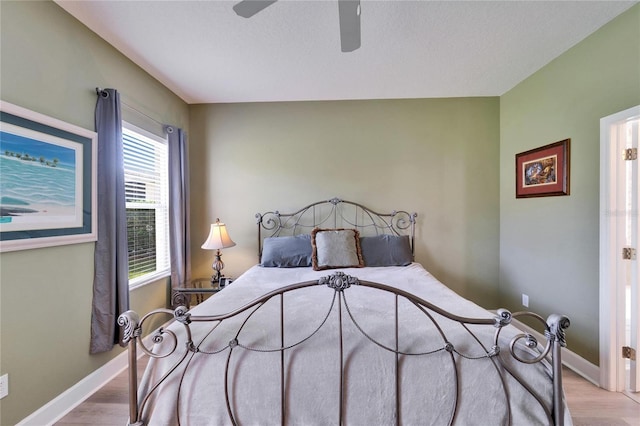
{"points": [[427, 383]]}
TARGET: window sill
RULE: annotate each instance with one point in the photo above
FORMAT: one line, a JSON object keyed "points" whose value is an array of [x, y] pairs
{"points": [[148, 279]]}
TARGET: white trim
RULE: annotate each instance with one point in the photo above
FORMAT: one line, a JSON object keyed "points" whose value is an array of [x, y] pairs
{"points": [[607, 308], [154, 176], [610, 375], [149, 279], [570, 359], [60, 406]]}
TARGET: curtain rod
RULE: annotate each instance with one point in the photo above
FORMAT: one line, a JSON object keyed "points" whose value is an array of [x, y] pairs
{"points": [[168, 128]]}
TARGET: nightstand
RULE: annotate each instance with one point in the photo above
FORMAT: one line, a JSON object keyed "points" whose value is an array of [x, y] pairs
{"points": [[200, 288]]}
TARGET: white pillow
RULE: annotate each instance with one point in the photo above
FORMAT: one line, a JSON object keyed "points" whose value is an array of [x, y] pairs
{"points": [[336, 248]]}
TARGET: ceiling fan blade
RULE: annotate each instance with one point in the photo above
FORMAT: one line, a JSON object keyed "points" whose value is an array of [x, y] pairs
{"points": [[248, 8], [349, 11]]}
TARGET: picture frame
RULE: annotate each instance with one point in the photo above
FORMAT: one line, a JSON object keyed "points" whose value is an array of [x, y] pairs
{"points": [[48, 184], [225, 281], [544, 171]]}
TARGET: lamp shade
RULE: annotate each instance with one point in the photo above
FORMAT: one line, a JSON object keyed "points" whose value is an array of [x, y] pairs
{"points": [[218, 237]]}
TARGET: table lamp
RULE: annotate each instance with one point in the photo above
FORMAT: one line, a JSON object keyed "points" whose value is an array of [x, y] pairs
{"points": [[218, 239]]}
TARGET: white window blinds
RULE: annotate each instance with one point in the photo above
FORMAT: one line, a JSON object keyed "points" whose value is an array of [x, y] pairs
{"points": [[147, 197]]}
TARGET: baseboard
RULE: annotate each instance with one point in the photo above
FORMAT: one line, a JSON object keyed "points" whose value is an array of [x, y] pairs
{"points": [[575, 362], [57, 408]]}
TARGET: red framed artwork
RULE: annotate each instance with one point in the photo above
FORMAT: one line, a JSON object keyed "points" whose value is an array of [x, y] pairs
{"points": [[544, 171]]}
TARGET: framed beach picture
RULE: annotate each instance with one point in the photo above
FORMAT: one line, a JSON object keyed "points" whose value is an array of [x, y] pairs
{"points": [[47, 181], [543, 171]]}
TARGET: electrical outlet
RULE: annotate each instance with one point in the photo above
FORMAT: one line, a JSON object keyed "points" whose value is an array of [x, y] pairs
{"points": [[4, 386], [525, 300]]}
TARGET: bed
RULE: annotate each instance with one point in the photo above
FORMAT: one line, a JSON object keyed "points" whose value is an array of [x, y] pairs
{"points": [[337, 324]]}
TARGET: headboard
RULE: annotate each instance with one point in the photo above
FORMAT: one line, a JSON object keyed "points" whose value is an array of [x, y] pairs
{"points": [[335, 213]]}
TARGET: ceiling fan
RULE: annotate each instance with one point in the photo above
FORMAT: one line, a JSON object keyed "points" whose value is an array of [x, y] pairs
{"points": [[348, 11]]}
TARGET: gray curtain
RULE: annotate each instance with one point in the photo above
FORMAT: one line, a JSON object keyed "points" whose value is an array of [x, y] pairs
{"points": [[179, 239], [111, 275]]}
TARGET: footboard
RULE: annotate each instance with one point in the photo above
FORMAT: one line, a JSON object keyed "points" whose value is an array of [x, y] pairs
{"points": [[419, 360]]}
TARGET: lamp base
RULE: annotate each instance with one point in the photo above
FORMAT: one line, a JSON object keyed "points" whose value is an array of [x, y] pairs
{"points": [[217, 266]]}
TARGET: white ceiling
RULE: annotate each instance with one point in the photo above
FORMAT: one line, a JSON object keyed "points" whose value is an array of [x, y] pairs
{"points": [[205, 53]]}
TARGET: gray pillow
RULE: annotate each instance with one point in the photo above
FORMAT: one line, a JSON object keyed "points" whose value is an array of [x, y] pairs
{"points": [[287, 252], [386, 250]]}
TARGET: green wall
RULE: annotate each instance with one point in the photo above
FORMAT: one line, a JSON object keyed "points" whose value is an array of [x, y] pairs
{"points": [[549, 246], [437, 157], [52, 64]]}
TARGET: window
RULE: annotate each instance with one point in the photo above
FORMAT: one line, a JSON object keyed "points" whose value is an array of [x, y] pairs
{"points": [[146, 176]]}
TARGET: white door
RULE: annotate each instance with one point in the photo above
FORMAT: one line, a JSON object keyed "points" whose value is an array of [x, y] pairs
{"points": [[619, 235]]}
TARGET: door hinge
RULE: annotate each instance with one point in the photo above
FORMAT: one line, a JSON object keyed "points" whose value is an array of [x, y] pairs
{"points": [[630, 154], [628, 353], [628, 253]]}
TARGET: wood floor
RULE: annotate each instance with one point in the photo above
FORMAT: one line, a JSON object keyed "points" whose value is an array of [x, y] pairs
{"points": [[589, 405]]}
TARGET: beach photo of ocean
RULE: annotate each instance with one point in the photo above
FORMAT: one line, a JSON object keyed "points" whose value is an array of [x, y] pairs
{"points": [[38, 183]]}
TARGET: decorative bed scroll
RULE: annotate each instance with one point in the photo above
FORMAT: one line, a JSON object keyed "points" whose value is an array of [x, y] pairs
{"points": [[343, 308], [335, 213]]}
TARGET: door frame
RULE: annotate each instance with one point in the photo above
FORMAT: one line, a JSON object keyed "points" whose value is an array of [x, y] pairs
{"points": [[612, 320]]}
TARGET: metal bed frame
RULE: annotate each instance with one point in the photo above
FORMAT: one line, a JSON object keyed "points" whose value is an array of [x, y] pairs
{"points": [[335, 213], [395, 223]]}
